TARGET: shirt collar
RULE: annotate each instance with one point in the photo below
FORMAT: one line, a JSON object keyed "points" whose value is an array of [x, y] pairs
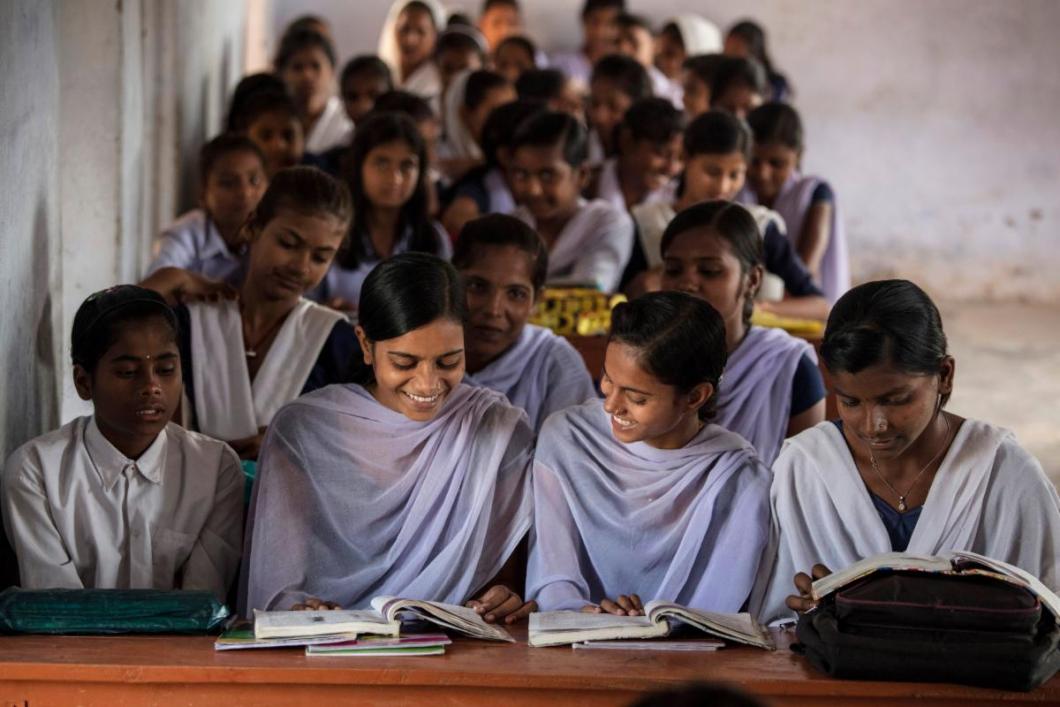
{"points": [[111, 464], [214, 245]]}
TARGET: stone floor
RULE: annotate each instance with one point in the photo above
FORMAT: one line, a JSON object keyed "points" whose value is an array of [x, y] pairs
{"points": [[1008, 371]]}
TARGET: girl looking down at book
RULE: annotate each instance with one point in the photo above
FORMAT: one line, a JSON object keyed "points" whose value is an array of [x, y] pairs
{"points": [[898, 472], [407, 483], [639, 496]]}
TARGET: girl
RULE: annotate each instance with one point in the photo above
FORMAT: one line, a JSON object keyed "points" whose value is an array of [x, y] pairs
{"points": [[460, 48], [514, 56], [408, 482], [618, 82], [636, 40], [717, 149], [641, 497], [772, 387], [469, 101], [748, 39], [123, 499], [806, 203], [682, 37], [503, 265], [208, 240], [388, 180], [588, 241], [499, 20], [306, 63], [364, 79], [697, 77], [407, 45], [739, 86], [898, 472], [245, 359], [551, 86], [270, 120], [600, 37]]}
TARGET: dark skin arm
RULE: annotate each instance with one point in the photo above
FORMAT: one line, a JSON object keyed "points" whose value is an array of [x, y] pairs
{"points": [[813, 241]]}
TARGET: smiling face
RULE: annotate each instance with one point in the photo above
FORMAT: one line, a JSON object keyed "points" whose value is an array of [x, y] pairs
{"points": [[886, 410], [136, 385], [644, 409], [714, 176], [545, 183], [309, 75], [390, 174], [771, 167], [291, 255], [416, 372], [658, 163], [233, 189], [500, 297]]}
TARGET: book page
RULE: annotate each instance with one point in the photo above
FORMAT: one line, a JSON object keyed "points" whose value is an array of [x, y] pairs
{"points": [[738, 627], [1036, 586], [581, 621], [889, 561], [453, 616]]}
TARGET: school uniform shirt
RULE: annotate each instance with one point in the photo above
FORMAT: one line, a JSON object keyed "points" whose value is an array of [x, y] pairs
{"points": [[575, 65], [347, 282], [593, 247], [988, 496], [541, 373], [487, 187], [314, 347], [609, 188], [687, 525], [79, 514], [663, 87], [354, 500], [332, 129], [193, 243]]}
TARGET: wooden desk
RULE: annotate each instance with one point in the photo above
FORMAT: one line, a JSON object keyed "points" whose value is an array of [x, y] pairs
{"points": [[38, 670]]}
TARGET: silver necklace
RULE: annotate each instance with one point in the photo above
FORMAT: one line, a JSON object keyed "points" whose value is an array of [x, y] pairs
{"points": [[902, 496]]}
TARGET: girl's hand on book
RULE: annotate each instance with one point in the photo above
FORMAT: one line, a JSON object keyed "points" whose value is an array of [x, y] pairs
{"points": [[804, 601], [624, 605], [498, 602], [314, 604]]}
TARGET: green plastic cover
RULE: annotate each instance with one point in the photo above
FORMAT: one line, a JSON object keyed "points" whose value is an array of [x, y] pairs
{"points": [[109, 611]]}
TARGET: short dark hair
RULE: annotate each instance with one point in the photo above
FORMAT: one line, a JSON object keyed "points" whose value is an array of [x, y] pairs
{"points": [[594, 5], [403, 293], [738, 71], [655, 120], [704, 67], [555, 129], [397, 101], [776, 123], [488, 5], [299, 40], [541, 84], [503, 122], [502, 230], [626, 72], [306, 190], [478, 87], [248, 87], [679, 339], [718, 132], [103, 315], [257, 105], [368, 64], [628, 20], [891, 321], [754, 36], [523, 42], [225, 144], [461, 37]]}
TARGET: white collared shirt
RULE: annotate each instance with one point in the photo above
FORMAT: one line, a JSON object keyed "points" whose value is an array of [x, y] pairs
{"points": [[82, 515], [332, 129], [192, 242]]}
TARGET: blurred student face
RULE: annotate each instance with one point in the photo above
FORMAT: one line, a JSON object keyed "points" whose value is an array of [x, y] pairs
{"points": [[669, 55], [500, 297], [642, 408], [735, 45], [545, 183], [390, 173], [714, 176], [570, 101], [309, 76], [359, 92], [233, 188], [659, 163], [499, 22], [607, 106], [600, 28], [511, 60], [292, 253], [738, 99], [136, 385], [280, 137], [637, 42], [452, 61], [416, 35], [771, 166], [696, 96], [416, 372], [701, 263], [475, 119]]}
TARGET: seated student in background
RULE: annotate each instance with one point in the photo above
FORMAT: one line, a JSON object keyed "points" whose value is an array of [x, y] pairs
{"points": [[245, 358], [407, 483], [684, 36], [485, 190], [503, 263], [638, 496], [772, 387], [207, 240], [248, 87], [647, 159], [429, 126], [739, 86], [460, 48], [306, 63], [557, 90], [271, 122], [364, 79], [388, 181], [697, 77], [806, 203], [123, 499], [599, 38], [588, 241], [896, 471], [499, 20], [407, 44], [314, 23], [514, 56], [748, 39], [636, 40], [617, 83], [471, 98], [717, 149]]}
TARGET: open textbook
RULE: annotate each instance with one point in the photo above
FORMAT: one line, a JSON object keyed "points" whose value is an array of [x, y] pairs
{"points": [[555, 628], [953, 563]]}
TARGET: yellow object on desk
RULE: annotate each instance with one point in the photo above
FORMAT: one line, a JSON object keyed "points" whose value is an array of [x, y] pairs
{"points": [[803, 328], [575, 310]]}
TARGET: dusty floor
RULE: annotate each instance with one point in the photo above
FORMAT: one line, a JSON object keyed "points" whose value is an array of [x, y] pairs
{"points": [[1008, 371]]}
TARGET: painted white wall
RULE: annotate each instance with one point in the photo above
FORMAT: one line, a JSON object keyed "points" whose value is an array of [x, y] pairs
{"points": [[935, 121]]}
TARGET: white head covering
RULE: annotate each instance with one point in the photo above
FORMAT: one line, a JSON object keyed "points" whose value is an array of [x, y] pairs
{"points": [[354, 500], [699, 35], [388, 44], [459, 143], [687, 525]]}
